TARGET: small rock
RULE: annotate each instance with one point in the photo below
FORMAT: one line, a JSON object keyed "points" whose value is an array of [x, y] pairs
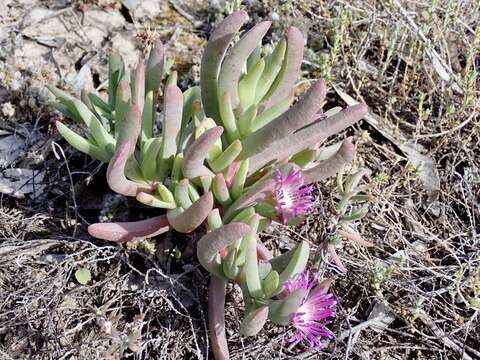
{"points": [[8, 110]]}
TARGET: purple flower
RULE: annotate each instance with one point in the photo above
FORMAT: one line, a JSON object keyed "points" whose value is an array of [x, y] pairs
{"points": [[316, 311], [291, 196]]}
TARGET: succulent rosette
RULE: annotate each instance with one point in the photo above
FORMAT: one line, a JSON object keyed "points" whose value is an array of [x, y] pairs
{"points": [[230, 155]]}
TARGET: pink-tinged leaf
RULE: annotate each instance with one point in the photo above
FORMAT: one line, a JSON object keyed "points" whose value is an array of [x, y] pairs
{"points": [[262, 252], [216, 318], [220, 190], [126, 142], [173, 108], [210, 245], [127, 231], [299, 115], [232, 66], [212, 59], [154, 68], [116, 178], [192, 217], [138, 83], [197, 153], [254, 321], [231, 172], [290, 71], [330, 167], [307, 137], [260, 191], [130, 127]]}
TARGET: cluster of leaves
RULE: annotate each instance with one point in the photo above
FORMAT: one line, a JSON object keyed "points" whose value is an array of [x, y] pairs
{"points": [[213, 157]]}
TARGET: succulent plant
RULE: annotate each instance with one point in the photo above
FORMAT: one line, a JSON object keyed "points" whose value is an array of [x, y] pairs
{"points": [[231, 155]]}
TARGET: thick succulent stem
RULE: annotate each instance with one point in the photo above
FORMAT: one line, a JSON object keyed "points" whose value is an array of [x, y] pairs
{"points": [[216, 317]]}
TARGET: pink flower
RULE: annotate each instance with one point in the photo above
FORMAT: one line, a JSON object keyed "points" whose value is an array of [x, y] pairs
{"points": [[291, 196], [316, 311]]}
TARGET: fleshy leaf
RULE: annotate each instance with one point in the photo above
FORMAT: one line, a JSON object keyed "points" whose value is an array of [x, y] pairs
{"points": [[206, 182], [273, 65], [262, 251], [290, 71], [281, 311], [149, 158], [239, 179], [228, 117], [216, 148], [154, 201], [116, 70], [214, 219], [244, 215], [125, 148], [212, 59], [138, 85], [97, 130], [270, 283], [196, 154], [126, 231], [229, 267], [121, 104], [173, 106], [213, 242], [192, 217], [177, 168], [189, 97], [116, 173], [270, 114], [82, 144], [220, 190], [164, 193], [307, 137], [246, 120], [298, 116], [254, 321], [297, 263], [154, 68], [227, 157], [147, 119], [304, 158], [181, 194], [331, 166], [172, 78], [258, 192], [237, 56], [252, 276], [248, 83], [254, 57]]}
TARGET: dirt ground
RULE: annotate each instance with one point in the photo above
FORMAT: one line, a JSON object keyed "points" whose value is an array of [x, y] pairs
{"points": [[414, 295]]}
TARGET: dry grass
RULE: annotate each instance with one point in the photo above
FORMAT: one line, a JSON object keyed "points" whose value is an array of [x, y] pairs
{"points": [[423, 272]]}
